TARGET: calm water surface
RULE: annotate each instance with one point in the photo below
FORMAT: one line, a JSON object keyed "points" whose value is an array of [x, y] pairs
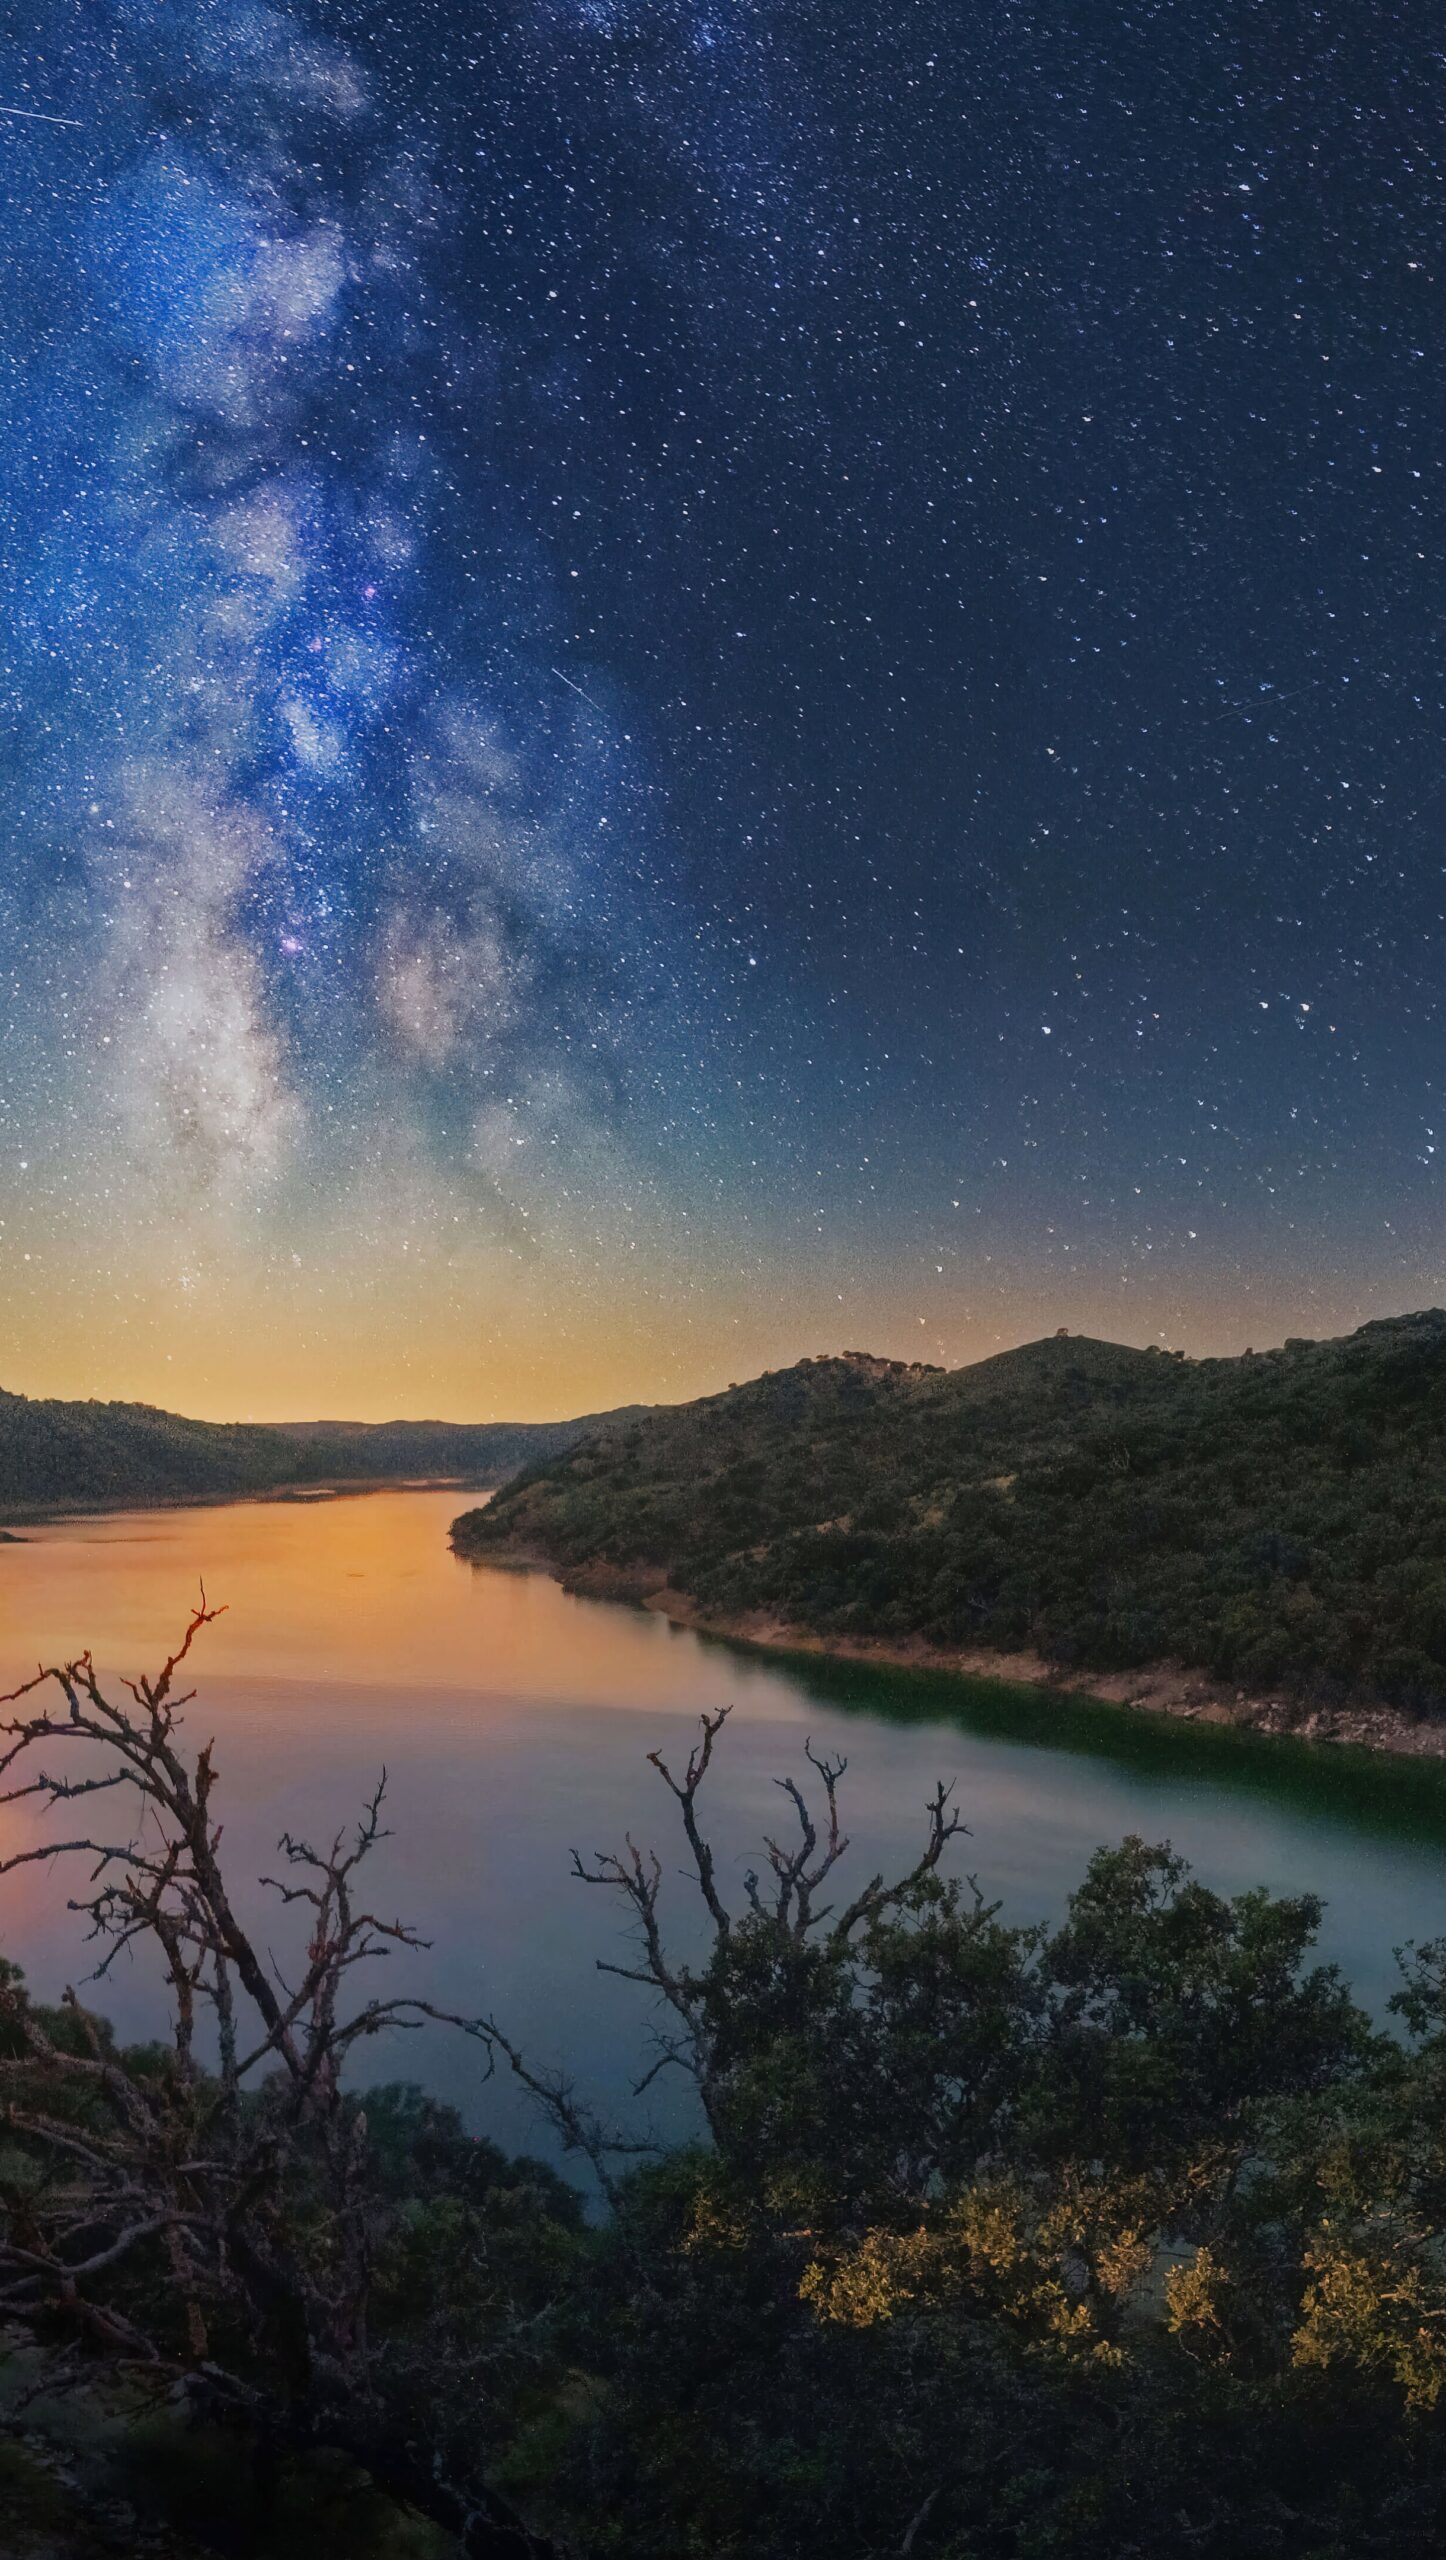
{"points": [[514, 1723]]}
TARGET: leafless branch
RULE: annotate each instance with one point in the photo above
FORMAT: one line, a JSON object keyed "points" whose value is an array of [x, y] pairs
{"points": [[791, 1910], [687, 1794], [148, 2221]]}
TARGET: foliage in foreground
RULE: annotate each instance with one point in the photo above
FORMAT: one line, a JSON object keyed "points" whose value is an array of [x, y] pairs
{"points": [[996, 2243], [1278, 1521]]}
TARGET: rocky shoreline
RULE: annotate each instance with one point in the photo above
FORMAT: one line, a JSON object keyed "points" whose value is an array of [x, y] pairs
{"points": [[1167, 1689]]}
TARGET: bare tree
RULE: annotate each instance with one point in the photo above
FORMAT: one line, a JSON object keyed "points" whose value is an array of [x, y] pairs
{"points": [[203, 2218], [201, 2215], [788, 1907]]}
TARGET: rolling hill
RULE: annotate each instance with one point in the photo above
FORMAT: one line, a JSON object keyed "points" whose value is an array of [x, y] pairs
{"points": [[56, 1455], [1276, 1521]]}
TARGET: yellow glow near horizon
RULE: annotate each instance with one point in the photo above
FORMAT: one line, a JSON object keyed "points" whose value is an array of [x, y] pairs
{"points": [[531, 1342]]}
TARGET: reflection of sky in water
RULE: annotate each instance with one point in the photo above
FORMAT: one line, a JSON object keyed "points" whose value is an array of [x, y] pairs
{"points": [[354, 1639]]}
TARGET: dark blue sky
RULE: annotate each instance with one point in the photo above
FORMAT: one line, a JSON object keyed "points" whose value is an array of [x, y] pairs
{"points": [[683, 680]]}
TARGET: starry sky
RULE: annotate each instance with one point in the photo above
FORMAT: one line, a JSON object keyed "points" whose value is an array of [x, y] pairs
{"points": [[685, 681]]}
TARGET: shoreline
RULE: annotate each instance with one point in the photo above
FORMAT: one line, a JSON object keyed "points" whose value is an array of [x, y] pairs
{"points": [[1161, 1689], [302, 1490]]}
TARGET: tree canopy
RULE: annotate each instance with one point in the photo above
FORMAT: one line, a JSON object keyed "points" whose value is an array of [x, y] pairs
{"points": [[1276, 1521]]}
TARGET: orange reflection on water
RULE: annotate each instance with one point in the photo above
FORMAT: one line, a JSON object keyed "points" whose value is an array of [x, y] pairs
{"points": [[363, 1590], [354, 1640]]}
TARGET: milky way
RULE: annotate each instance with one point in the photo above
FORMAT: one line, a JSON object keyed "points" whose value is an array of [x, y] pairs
{"points": [[683, 683]]}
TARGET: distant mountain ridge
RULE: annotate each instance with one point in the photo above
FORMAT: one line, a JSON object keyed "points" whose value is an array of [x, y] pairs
{"points": [[67, 1455], [1276, 1520]]}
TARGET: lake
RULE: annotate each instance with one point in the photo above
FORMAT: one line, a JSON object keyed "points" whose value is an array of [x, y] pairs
{"points": [[514, 1722]]}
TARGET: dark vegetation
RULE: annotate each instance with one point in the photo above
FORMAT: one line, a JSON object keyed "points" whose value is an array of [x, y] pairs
{"points": [[995, 2243], [58, 1455], [1277, 1521]]}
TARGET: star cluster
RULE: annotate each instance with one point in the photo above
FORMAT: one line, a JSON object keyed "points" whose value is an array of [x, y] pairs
{"points": [[685, 682]]}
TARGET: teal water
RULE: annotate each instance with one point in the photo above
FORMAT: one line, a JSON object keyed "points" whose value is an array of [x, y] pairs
{"points": [[515, 1721]]}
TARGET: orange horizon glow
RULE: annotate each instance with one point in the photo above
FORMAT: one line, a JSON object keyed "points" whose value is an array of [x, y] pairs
{"points": [[543, 1354]]}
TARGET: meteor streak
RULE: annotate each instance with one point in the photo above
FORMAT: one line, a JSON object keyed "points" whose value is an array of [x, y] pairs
{"points": [[575, 688], [33, 115]]}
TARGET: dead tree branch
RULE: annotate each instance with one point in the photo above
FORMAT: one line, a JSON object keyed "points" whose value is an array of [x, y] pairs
{"points": [[204, 2219]]}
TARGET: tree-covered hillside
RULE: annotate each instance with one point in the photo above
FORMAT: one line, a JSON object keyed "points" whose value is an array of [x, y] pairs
{"points": [[54, 1454], [1277, 1520]]}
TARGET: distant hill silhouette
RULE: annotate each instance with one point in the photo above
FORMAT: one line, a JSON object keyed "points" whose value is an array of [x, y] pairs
{"points": [[1277, 1520], [68, 1455]]}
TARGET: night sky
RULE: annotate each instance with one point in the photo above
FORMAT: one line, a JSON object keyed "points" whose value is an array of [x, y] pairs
{"points": [[684, 684]]}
